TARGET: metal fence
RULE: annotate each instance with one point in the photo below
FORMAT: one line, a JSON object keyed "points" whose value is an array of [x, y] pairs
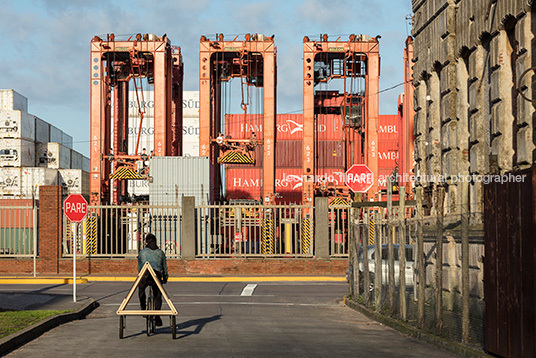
{"points": [[118, 230], [338, 221], [254, 230], [399, 276], [18, 231]]}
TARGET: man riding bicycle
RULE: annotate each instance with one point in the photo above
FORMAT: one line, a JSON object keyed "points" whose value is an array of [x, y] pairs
{"points": [[157, 259]]}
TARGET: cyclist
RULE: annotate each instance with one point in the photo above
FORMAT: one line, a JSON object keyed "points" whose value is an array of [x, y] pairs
{"points": [[157, 259]]}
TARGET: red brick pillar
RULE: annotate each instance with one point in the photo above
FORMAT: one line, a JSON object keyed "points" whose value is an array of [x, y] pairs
{"points": [[50, 228]]}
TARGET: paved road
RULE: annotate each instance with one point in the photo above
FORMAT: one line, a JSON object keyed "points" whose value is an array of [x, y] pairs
{"points": [[257, 319]]}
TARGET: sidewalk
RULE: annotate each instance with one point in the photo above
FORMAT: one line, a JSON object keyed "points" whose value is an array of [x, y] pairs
{"points": [[41, 301]]}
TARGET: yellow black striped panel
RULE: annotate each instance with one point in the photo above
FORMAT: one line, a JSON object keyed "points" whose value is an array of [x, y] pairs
{"points": [[235, 158], [338, 201], [125, 173], [90, 232], [268, 236], [371, 232], [306, 236]]}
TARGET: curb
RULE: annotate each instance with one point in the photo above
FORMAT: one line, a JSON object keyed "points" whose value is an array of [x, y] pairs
{"points": [[19, 338], [86, 279], [453, 347]]}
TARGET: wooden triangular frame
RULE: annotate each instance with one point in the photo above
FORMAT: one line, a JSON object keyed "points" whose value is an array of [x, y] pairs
{"points": [[122, 309]]}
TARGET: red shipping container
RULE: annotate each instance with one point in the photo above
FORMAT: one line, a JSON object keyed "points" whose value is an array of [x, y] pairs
{"points": [[16, 218], [330, 154], [289, 185], [243, 183], [288, 153], [387, 154], [240, 126], [329, 127], [388, 127], [289, 127]]}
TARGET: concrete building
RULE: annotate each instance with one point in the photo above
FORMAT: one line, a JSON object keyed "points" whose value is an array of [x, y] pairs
{"points": [[474, 82]]}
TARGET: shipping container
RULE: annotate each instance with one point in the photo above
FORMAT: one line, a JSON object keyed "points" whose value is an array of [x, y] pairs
{"points": [[19, 218], [17, 153], [330, 154], [138, 187], [289, 127], [190, 130], [56, 134], [240, 126], [25, 182], [74, 181], [42, 131], [146, 140], [388, 127], [190, 104], [243, 183], [66, 140], [329, 127], [77, 160], [86, 164], [190, 148], [387, 154], [17, 124], [175, 177], [11, 100], [289, 185], [146, 102], [288, 153], [53, 155]]}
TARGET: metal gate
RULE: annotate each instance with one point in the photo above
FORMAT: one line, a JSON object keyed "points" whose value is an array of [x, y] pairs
{"points": [[254, 230], [119, 230]]}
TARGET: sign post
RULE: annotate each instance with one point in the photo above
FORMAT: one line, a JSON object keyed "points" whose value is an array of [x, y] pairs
{"points": [[359, 178], [75, 209]]}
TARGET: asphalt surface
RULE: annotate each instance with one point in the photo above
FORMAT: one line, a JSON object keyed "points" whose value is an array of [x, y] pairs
{"points": [[219, 319]]}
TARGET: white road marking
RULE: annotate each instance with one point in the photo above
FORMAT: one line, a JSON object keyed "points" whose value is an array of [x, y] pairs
{"points": [[248, 290]]}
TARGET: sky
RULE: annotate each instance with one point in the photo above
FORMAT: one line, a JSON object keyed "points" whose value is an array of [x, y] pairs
{"points": [[45, 44]]}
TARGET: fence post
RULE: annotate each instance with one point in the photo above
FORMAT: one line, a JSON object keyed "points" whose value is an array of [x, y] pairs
{"points": [[188, 235], [465, 261], [378, 260], [321, 228], [365, 242], [420, 260], [50, 228], [390, 248], [402, 252], [439, 261]]}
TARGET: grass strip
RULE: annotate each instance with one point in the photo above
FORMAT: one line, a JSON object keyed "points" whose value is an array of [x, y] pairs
{"points": [[12, 321]]}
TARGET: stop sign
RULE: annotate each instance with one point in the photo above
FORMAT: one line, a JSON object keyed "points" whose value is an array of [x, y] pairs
{"points": [[75, 207], [359, 178]]}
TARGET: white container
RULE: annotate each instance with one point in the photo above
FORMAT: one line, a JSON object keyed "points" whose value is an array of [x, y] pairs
{"points": [[33, 178], [138, 187], [74, 181], [42, 131], [190, 104], [17, 124], [146, 104], [146, 136], [190, 149], [11, 100], [66, 140], [77, 160], [17, 153], [53, 155], [25, 182], [56, 134], [10, 182], [86, 164]]}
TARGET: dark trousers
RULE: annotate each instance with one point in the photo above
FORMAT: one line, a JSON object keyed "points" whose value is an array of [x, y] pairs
{"points": [[147, 280]]}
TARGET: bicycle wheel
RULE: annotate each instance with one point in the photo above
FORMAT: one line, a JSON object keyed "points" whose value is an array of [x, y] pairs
{"points": [[150, 319], [121, 326], [173, 327]]}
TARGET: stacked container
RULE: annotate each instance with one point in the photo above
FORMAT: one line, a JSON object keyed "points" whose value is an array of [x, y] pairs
{"points": [[32, 150], [190, 123], [53, 155], [74, 181], [387, 148]]}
